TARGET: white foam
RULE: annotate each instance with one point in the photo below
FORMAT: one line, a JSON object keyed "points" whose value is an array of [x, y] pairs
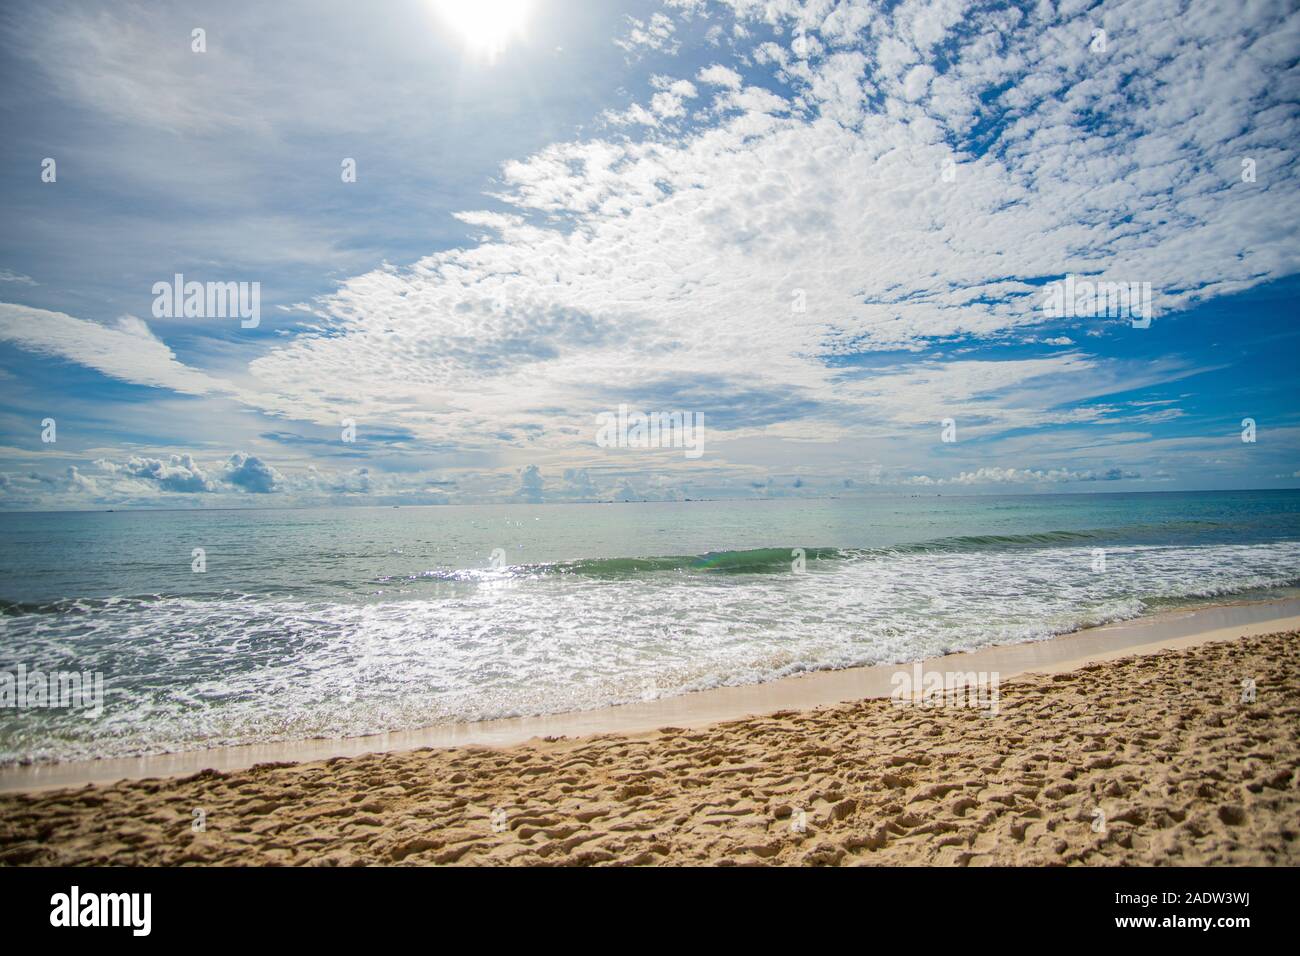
{"points": [[185, 673]]}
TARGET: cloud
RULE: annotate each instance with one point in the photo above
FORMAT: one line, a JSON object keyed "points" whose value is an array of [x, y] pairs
{"points": [[698, 244], [129, 352], [1026, 476], [656, 33], [180, 473], [358, 481], [252, 474], [719, 75], [579, 483], [784, 252], [531, 484]]}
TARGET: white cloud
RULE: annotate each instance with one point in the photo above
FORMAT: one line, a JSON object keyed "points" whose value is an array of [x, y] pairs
{"points": [[631, 267], [180, 473], [719, 75], [252, 474], [1026, 476], [130, 352], [656, 33]]}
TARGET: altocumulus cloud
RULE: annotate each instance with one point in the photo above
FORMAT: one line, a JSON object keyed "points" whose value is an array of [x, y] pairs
{"points": [[762, 223], [829, 184]]}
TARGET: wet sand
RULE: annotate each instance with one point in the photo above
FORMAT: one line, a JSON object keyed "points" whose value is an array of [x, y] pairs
{"points": [[1108, 757]]}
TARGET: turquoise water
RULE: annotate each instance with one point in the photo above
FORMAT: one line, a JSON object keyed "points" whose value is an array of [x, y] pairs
{"points": [[335, 622]]}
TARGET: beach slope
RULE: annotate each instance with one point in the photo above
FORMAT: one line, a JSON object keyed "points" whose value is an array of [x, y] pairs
{"points": [[1156, 758]]}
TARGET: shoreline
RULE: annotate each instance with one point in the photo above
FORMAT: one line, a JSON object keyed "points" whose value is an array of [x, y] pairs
{"points": [[1145, 635], [1177, 757]]}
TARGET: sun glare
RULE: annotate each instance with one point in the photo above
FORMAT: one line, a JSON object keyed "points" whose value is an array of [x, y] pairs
{"points": [[486, 26]]}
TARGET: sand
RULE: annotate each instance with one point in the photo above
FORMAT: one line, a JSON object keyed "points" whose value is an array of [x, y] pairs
{"points": [[1149, 758]]}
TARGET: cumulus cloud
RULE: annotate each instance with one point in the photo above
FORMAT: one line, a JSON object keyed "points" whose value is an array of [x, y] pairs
{"points": [[1024, 476], [252, 474], [183, 474], [531, 484], [719, 75], [184, 480], [180, 473]]}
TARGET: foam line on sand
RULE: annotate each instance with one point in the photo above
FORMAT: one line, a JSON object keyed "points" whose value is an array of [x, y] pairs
{"points": [[699, 709], [1154, 757]]}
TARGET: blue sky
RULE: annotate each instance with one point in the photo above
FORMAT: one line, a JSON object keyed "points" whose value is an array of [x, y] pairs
{"points": [[825, 227]]}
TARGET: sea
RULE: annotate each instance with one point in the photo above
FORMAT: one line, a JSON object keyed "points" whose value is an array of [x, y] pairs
{"points": [[220, 627]]}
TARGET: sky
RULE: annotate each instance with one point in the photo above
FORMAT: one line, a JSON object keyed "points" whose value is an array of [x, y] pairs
{"points": [[830, 230]]}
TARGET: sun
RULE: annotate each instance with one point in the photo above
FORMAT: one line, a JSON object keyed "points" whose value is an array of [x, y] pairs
{"points": [[486, 26]]}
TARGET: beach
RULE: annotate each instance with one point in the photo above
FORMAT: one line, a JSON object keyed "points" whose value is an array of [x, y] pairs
{"points": [[648, 433], [1158, 754]]}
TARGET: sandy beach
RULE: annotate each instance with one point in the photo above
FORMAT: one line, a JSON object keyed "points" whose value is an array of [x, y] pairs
{"points": [[1147, 756]]}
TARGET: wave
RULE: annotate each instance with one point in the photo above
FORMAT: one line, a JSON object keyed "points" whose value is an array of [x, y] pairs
{"points": [[90, 605], [772, 559], [232, 668], [768, 560], [758, 560]]}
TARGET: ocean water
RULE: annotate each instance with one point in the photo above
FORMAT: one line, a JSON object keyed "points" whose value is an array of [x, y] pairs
{"points": [[345, 621]]}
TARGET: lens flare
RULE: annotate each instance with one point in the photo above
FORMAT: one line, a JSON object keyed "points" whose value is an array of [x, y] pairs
{"points": [[486, 26]]}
